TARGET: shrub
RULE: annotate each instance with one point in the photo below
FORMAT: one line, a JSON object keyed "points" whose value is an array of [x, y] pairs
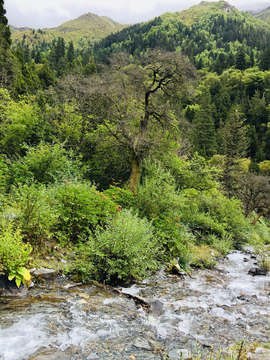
{"points": [[122, 197], [14, 254], [127, 247], [45, 164], [31, 207], [81, 210]]}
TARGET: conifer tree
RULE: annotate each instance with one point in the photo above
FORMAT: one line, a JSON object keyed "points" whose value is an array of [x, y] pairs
{"points": [[204, 135], [70, 52], [5, 34], [236, 143]]}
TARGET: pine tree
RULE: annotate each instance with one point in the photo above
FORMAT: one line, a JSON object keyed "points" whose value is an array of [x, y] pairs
{"points": [[70, 52], [5, 34], [204, 136], [240, 61], [236, 144]]}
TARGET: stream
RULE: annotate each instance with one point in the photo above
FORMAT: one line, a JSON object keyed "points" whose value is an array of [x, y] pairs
{"points": [[212, 309]]}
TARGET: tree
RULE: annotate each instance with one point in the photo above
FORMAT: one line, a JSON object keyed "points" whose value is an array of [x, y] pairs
{"points": [[240, 61], [70, 52], [236, 143], [204, 135], [254, 192], [5, 38], [131, 105]]}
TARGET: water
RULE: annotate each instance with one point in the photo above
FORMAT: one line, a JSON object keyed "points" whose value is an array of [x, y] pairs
{"points": [[213, 308]]}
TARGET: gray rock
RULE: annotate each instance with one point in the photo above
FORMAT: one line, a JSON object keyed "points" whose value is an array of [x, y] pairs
{"points": [[44, 273], [259, 354], [156, 307], [52, 355], [181, 354], [257, 271], [142, 343], [9, 288], [92, 356]]}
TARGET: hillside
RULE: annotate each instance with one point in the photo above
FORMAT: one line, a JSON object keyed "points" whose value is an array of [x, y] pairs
{"points": [[264, 15], [83, 31], [208, 28]]}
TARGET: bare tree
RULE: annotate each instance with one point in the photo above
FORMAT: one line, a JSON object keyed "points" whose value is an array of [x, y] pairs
{"points": [[254, 191], [132, 105]]}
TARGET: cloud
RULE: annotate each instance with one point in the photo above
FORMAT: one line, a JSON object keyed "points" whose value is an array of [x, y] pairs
{"points": [[51, 13]]}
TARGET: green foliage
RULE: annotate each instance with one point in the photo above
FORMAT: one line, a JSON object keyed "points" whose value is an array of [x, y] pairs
{"points": [[14, 254], [122, 197], [31, 206], [81, 209], [127, 247]]}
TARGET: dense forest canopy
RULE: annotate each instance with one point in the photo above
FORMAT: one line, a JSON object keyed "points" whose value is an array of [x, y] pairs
{"points": [[156, 137]]}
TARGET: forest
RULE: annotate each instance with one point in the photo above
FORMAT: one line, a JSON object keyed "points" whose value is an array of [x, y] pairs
{"points": [[150, 146]]}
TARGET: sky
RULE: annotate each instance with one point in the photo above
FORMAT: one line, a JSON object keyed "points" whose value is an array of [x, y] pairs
{"points": [[51, 13]]}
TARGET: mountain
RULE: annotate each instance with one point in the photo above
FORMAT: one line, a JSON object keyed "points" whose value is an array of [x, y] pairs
{"points": [[83, 31], [264, 15], [207, 28]]}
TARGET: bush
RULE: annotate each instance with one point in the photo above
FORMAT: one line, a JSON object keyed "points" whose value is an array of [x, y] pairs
{"points": [[30, 205], [81, 210], [127, 247], [45, 164], [14, 254]]}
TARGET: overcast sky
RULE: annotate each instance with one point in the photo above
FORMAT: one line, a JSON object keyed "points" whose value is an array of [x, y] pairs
{"points": [[51, 13]]}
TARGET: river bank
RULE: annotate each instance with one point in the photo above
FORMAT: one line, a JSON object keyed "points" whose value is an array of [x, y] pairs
{"points": [[212, 309]]}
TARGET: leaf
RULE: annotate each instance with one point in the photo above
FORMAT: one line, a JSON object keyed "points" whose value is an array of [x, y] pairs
{"points": [[18, 282], [25, 273], [11, 277]]}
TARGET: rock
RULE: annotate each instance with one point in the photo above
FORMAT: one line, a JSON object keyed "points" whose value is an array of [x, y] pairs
{"points": [[177, 354], [82, 302], [142, 343], [44, 273], [257, 271], [9, 288], [259, 354], [51, 298], [156, 307], [92, 356], [52, 355]]}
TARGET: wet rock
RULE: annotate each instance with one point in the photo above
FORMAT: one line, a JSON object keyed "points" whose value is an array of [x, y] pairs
{"points": [[44, 273], [156, 308], [257, 271], [9, 288], [92, 356], [142, 343], [259, 354], [52, 355], [51, 298], [177, 354]]}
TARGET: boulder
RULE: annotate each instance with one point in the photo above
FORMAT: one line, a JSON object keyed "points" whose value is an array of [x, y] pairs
{"points": [[9, 288], [177, 354], [259, 354], [142, 343], [257, 271], [52, 355], [156, 308], [44, 273]]}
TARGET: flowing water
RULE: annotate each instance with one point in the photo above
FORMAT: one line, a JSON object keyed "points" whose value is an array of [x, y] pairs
{"points": [[213, 308]]}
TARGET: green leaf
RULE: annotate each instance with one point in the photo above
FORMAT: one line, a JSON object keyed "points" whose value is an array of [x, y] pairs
{"points": [[25, 273], [11, 277], [18, 282]]}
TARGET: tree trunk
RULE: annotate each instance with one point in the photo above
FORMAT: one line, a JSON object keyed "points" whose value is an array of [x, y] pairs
{"points": [[257, 218], [135, 173]]}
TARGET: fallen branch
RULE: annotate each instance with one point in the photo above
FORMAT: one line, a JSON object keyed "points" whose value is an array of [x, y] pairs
{"points": [[136, 298], [70, 286]]}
